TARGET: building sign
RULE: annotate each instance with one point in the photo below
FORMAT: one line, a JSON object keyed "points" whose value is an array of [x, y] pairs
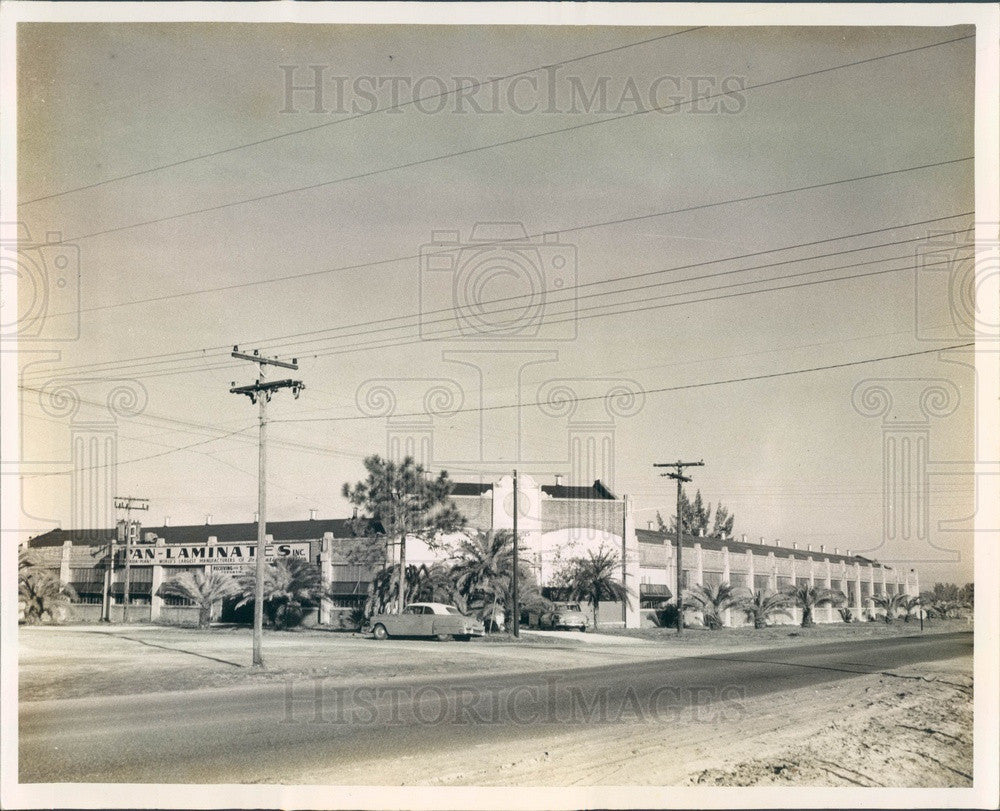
{"points": [[234, 555]]}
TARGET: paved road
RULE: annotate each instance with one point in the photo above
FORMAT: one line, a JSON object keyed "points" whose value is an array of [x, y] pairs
{"points": [[276, 732]]}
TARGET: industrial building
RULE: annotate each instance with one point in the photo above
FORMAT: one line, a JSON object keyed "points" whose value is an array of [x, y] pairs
{"points": [[556, 522]]}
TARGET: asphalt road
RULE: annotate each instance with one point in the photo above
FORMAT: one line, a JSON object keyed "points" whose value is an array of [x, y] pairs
{"points": [[276, 732]]}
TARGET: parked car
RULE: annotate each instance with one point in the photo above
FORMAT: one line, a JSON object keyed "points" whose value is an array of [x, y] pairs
{"points": [[427, 619], [564, 615]]}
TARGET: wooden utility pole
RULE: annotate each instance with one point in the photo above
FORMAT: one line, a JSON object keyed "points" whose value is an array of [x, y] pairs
{"points": [[514, 597], [681, 478], [128, 503], [260, 394]]}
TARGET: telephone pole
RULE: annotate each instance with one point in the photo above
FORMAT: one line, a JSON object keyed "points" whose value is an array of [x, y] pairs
{"points": [[514, 599], [681, 478], [260, 394], [128, 503]]}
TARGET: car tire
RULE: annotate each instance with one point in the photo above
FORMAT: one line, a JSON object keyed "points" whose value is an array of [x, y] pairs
{"points": [[379, 632], [583, 630], [443, 637]]}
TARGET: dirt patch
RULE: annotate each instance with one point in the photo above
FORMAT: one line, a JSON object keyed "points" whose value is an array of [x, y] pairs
{"points": [[911, 728]]}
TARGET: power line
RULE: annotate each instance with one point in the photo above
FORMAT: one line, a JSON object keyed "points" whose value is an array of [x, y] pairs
{"points": [[662, 390], [355, 117], [577, 317], [580, 314], [507, 142], [570, 229], [270, 342], [139, 459]]}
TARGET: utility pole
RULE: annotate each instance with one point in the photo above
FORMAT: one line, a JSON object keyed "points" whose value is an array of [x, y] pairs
{"points": [[681, 478], [514, 600], [260, 394], [128, 503]]}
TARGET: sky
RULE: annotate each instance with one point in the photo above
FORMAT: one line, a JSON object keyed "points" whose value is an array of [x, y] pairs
{"points": [[188, 184]]}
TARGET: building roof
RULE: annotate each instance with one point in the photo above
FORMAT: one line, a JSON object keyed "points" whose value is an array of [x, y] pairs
{"points": [[225, 533], [471, 488], [597, 490], [651, 536]]}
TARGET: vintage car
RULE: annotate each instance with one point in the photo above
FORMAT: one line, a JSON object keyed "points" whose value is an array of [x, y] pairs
{"points": [[564, 615], [427, 619]]}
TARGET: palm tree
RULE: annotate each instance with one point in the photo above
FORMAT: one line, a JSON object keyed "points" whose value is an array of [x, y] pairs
{"points": [[761, 605], [807, 598], [39, 590], [432, 583], [289, 584], [201, 588], [891, 603], [909, 605], [712, 601], [405, 502], [596, 577], [484, 571]]}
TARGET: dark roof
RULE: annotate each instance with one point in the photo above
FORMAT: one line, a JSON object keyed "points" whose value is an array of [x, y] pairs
{"points": [[225, 533], [595, 491], [471, 488], [651, 536]]}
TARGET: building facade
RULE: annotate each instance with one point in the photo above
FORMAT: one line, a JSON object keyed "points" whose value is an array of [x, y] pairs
{"points": [[556, 523]]}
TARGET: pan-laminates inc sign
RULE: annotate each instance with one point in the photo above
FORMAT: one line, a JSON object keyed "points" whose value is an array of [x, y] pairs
{"points": [[225, 554]]}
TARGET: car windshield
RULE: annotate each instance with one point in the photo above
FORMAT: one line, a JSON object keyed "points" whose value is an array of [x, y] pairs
{"points": [[452, 610], [569, 608]]}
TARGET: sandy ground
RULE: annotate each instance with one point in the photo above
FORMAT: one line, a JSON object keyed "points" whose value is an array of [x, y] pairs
{"points": [[76, 661], [909, 729]]}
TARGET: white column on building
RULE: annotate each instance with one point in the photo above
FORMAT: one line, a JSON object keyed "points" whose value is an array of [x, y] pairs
{"points": [[751, 573], [326, 572], [155, 601], [857, 587], [727, 615], [793, 573], [772, 571], [871, 585], [699, 566], [828, 585], [633, 615], [216, 612], [64, 571]]}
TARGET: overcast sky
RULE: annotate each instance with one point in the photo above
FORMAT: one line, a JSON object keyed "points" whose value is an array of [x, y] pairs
{"points": [[101, 104]]}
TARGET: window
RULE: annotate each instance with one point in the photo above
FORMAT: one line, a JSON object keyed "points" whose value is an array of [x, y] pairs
{"points": [[761, 582], [711, 578], [835, 585], [737, 580], [784, 582], [801, 581], [413, 609]]}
